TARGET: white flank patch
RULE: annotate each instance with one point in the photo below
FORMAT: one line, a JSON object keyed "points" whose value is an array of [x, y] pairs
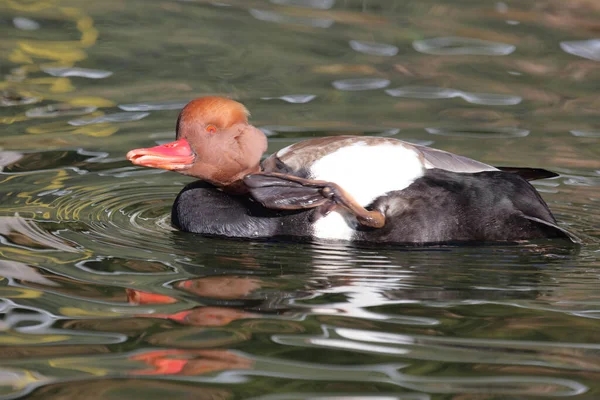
{"points": [[366, 172]]}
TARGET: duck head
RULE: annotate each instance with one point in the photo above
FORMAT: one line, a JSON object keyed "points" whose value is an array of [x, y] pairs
{"points": [[214, 143]]}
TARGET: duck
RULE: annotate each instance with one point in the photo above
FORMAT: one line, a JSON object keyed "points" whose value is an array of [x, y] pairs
{"points": [[342, 188]]}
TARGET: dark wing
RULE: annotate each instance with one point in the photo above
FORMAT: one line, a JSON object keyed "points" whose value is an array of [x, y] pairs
{"points": [[288, 192], [551, 227], [280, 193], [530, 174]]}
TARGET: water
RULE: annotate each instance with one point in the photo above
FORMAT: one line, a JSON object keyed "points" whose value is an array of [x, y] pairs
{"points": [[102, 299]]}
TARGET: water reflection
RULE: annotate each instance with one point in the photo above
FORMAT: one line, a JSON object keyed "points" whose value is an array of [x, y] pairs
{"points": [[154, 106], [25, 24], [59, 110], [473, 132], [360, 84], [590, 134], [271, 16], [136, 389], [372, 48], [294, 98], [462, 46], [318, 4], [418, 92], [589, 49], [116, 117], [14, 270], [334, 298], [80, 72]]}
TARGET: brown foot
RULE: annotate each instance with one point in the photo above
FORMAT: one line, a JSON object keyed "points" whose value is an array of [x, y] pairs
{"points": [[288, 192]]}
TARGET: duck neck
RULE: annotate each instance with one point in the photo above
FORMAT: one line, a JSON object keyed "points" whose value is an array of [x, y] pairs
{"points": [[237, 185]]}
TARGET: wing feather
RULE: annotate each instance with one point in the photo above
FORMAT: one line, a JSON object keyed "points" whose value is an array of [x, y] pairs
{"points": [[434, 158]]}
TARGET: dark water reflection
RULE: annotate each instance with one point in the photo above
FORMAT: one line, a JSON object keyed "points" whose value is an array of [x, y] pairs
{"points": [[102, 299]]}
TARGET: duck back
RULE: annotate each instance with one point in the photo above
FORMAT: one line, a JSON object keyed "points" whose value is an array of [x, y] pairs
{"points": [[443, 206]]}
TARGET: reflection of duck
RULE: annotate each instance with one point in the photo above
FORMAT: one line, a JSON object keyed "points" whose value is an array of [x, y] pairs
{"points": [[357, 188]]}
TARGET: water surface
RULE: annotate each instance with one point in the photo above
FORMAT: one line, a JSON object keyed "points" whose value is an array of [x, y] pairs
{"points": [[102, 299]]}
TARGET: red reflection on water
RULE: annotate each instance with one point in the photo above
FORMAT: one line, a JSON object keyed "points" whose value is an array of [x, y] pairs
{"points": [[138, 297], [189, 362]]}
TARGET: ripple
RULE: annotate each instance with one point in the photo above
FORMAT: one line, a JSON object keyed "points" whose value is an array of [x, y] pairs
{"points": [[581, 181], [270, 16], [462, 46], [9, 158], [20, 271], [18, 382], [349, 396], [426, 92], [576, 205], [113, 213], [589, 49], [127, 215], [35, 325], [154, 106], [59, 110], [444, 349], [25, 24], [317, 4], [389, 373], [423, 92], [360, 84], [501, 7], [130, 172], [37, 162], [116, 117], [277, 133], [373, 48], [490, 133], [79, 72], [465, 351], [10, 98], [37, 238], [491, 99], [294, 98], [587, 134]]}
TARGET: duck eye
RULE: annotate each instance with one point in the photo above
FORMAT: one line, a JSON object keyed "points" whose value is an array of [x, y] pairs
{"points": [[211, 129]]}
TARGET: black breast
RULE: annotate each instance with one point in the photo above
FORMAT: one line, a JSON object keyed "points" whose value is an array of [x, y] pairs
{"points": [[202, 208]]}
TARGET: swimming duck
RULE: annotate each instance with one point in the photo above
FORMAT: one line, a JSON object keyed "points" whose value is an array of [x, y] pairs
{"points": [[354, 188]]}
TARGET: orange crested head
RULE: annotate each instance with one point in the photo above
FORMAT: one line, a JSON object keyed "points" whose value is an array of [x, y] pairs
{"points": [[214, 143]]}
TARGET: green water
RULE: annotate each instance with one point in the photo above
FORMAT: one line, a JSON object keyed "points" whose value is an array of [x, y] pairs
{"points": [[102, 299]]}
